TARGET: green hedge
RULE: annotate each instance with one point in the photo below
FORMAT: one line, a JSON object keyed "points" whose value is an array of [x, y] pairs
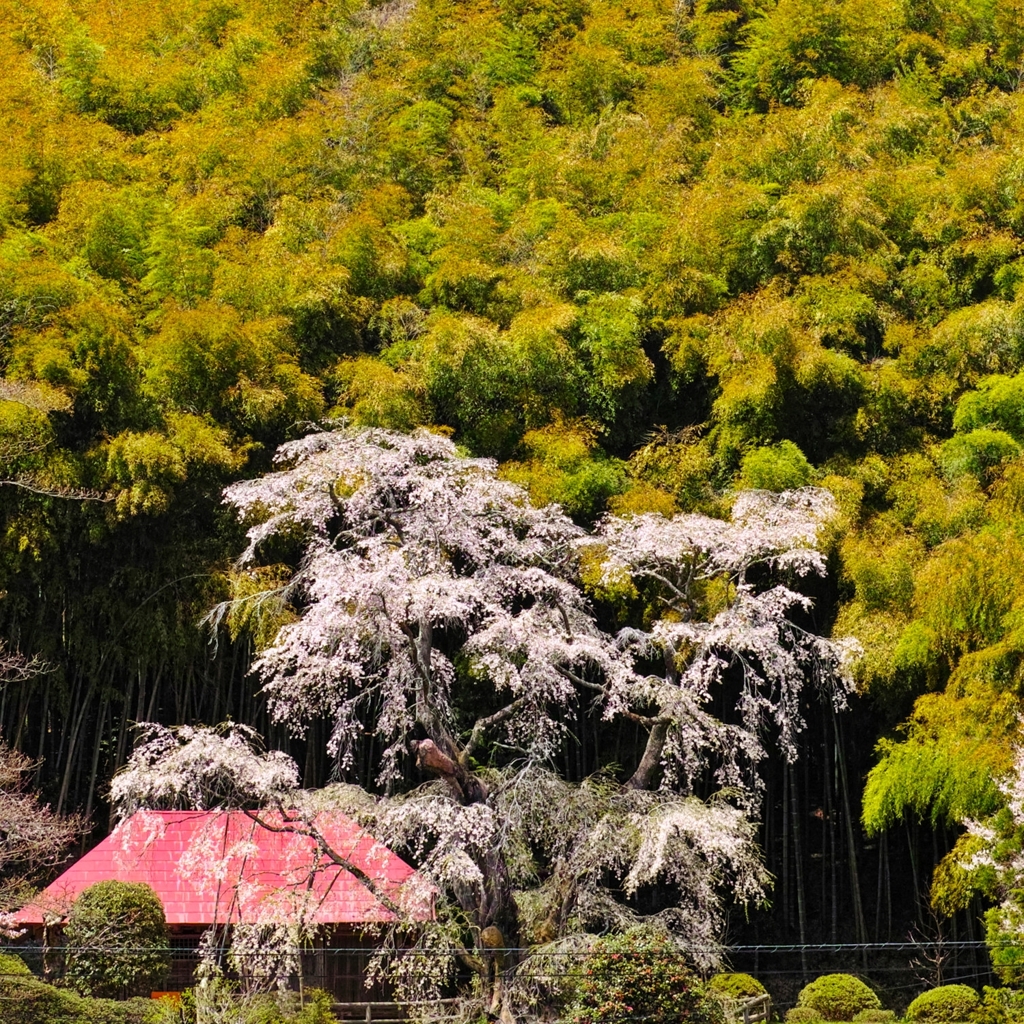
{"points": [[26, 1000], [12, 965]]}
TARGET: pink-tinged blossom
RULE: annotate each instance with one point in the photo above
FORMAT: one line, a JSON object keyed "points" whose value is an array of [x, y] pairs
{"points": [[425, 576], [754, 638], [775, 530], [201, 769], [410, 546]]}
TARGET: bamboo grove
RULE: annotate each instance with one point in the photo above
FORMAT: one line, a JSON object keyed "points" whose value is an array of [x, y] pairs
{"points": [[641, 252]]}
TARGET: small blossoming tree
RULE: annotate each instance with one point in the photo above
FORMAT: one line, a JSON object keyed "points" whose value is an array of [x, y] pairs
{"points": [[33, 839], [989, 858], [437, 610]]}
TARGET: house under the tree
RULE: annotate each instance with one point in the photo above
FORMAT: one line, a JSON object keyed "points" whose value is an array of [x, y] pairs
{"points": [[223, 868]]}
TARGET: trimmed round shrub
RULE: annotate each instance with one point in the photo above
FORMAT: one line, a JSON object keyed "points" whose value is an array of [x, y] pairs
{"points": [[803, 1015], [735, 986], [948, 1004], [641, 976], [116, 940], [838, 997], [13, 966], [874, 1017]]}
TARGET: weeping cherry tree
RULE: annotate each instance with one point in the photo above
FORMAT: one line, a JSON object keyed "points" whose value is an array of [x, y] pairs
{"points": [[436, 609]]}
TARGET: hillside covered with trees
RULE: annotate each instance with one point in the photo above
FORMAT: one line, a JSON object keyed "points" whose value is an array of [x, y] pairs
{"points": [[641, 253]]}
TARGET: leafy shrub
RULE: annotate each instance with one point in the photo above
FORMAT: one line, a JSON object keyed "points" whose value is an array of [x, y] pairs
{"points": [[257, 1009], [998, 403], [26, 1000], [802, 1015], [838, 997], [639, 975], [977, 453], [736, 986], [12, 965], [778, 467], [948, 1003], [874, 1016], [117, 940], [564, 469], [999, 1006], [317, 1009]]}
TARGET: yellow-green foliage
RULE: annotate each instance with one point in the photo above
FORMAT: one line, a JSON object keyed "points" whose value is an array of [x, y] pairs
{"points": [[29, 1001], [563, 468], [735, 986], [12, 966], [637, 250], [837, 997], [779, 467], [947, 1003], [503, 215], [963, 631], [260, 603]]}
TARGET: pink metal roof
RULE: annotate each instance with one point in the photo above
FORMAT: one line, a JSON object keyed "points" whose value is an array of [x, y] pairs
{"points": [[222, 867]]}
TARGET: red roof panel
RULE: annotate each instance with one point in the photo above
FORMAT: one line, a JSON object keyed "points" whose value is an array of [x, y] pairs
{"points": [[221, 867]]}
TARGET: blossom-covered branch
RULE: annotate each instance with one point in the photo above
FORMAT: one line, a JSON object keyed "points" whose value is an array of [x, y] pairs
{"points": [[751, 635], [436, 609], [33, 839]]}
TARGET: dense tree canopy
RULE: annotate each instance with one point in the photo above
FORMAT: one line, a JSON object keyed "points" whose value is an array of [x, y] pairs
{"points": [[639, 252], [436, 610]]}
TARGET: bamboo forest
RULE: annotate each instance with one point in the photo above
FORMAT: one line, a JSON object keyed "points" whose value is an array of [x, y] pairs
{"points": [[578, 444]]}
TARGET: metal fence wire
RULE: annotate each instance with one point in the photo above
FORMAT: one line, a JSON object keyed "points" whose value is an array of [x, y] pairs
{"points": [[897, 971]]}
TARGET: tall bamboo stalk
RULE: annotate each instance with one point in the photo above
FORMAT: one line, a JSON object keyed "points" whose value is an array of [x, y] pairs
{"points": [[801, 911]]}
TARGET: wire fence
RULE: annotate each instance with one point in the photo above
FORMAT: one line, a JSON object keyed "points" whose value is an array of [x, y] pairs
{"points": [[683, 950], [898, 970]]}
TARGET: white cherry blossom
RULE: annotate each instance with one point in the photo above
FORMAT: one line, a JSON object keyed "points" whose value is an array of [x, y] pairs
{"points": [[428, 586]]}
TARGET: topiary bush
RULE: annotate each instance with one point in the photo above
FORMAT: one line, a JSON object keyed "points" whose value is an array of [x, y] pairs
{"points": [[117, 940], [838, 997], [803, 1015], [948, 1004], [874, 1017], [735, 986], [12, 965], [642, 976]]}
